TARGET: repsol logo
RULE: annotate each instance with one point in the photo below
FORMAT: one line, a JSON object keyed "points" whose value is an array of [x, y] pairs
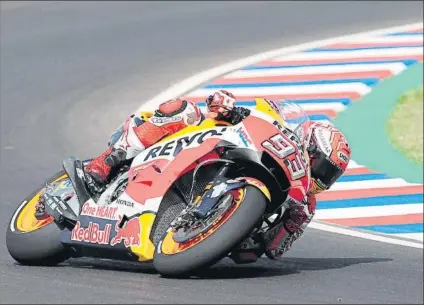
{"points": [[174, 147]]}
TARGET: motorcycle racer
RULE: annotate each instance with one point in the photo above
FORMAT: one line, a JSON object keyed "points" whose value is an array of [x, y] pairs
{"points": [[326, 148]]}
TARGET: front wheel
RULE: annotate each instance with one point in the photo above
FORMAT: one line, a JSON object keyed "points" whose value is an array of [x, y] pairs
{"points": [[31, 241], [174, 258]]}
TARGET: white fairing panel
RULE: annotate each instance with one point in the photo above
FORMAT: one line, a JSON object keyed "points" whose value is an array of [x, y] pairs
{"points": [[191, 140]]}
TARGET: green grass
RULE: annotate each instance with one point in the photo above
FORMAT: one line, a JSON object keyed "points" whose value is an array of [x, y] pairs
{"points": [[405, 125]]}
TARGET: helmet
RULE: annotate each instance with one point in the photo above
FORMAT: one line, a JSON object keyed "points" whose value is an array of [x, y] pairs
{"points": [[221, 101], [329, 155]]}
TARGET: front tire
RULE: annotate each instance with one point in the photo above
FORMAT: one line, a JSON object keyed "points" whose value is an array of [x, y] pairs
{"points": [[39, 246], [217, 245]]}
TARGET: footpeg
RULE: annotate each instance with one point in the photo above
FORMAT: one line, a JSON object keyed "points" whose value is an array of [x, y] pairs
{"points": [[92, 185]]}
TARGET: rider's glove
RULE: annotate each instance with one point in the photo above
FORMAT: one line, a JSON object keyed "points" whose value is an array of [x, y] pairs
{"points": [[236, 115]]}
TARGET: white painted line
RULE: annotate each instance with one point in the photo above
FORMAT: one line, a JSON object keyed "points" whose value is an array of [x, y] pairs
{"points": [[416, 236], [369, 184], [323, 106], [380, 53], [369, 211], [194, 81], [364, 235], [386, 39], [304, 89], [312, 70]]}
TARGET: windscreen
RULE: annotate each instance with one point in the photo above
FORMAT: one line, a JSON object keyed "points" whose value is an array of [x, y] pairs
{"points": [[295, 118]]}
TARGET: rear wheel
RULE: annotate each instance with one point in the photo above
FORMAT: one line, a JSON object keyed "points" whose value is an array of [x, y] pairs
{"points": [[182, 252], [31, 241]]}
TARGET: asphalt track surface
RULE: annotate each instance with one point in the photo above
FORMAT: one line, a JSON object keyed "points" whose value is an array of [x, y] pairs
{"points": [[71, 72]]}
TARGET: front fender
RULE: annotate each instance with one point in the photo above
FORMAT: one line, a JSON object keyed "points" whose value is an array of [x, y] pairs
{"points": [[258, 184]]}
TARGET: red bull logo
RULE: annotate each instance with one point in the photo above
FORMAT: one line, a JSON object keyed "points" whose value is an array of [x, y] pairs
{"points": [[129, 233], [92, 234]]}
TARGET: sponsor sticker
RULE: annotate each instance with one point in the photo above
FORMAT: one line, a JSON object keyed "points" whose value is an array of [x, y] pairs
{"points": [[164, 120], [100, 211], [129, 233], [323, 142], [172, 148], [342, 157], [244, 137], [273, 105], [92, 234], [125, 202]]}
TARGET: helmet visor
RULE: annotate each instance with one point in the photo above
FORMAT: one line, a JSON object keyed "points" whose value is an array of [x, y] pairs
{"points": [[324, 170]]}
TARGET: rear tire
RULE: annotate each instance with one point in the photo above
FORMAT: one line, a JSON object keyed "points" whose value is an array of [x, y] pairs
{"points": [[41, 247], [216, 246]]}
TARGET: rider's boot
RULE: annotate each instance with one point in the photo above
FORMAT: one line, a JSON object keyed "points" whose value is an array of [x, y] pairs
{"points": [[249, 250], [279, 240], [273, 243], [97, 172], [281, 237]]}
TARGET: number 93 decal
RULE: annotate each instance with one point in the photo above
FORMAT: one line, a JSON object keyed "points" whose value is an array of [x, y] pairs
{"points": [[283, 148]]}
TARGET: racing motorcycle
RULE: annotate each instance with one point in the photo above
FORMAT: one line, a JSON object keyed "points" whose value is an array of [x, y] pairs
{"points": [[183, 204]]}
